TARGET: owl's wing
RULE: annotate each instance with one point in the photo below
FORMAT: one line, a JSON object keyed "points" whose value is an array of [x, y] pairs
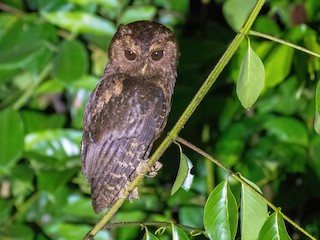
{"points": [[119, 127]]}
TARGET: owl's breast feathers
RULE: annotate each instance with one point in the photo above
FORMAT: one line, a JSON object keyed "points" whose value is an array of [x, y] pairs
{"points": [[123, 117]]}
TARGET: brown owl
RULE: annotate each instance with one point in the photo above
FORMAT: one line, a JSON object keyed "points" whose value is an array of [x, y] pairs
{"points": [[128, 109]]}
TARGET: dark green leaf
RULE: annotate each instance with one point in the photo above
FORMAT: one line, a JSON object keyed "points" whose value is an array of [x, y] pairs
{"points": [[81, 22], [236, 12], [287, 130], [178, 233], [184, 177], [11, 138], [251, 79], [254, 212], [16, 232], [221, 213], [278, 65], [72, 61], [274, 228]]}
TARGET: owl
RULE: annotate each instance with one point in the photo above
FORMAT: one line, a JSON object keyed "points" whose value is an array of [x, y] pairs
{"points": [[128, 109]]}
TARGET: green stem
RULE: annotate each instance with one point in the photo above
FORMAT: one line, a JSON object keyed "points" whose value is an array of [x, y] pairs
{"points": [[266, 36], [185, 115], [28, 93], [242, 181]]}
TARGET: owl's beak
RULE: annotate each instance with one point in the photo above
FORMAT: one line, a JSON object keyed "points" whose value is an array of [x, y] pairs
{"points": [[143, 70]]}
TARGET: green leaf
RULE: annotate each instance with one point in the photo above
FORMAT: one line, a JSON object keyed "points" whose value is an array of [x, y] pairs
{"points": [[274, 228], [148, 235], [59, 144], [251, 79], [69, 231], [254, 212], [318, 97], [316, 124], [81, 22], [278, 65], [136, 13], [72, 61], [236, 12], [50, 181], [178, 233], [17, 232], [11, 138], [287, 130], [184, 178], [221, 213]]}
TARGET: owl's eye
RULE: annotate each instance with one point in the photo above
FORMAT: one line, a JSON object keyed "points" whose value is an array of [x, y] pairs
{"points": [[157, 55], [130, 55]]}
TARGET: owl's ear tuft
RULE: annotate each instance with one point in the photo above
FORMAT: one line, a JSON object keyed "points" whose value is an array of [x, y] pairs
{"points": [[123, 29]]}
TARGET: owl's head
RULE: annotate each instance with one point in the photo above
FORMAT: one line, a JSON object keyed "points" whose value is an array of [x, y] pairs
{"points": [[143, 48]]}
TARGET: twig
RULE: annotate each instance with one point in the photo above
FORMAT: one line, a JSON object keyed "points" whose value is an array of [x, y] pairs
{"points": [[269, 37], [242, 181]]}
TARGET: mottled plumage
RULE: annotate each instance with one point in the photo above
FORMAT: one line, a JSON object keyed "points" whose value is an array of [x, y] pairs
{"points": [[128, 109]]}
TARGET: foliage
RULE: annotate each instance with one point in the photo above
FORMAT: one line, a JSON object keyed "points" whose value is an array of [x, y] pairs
{"points": [[52, 54]]}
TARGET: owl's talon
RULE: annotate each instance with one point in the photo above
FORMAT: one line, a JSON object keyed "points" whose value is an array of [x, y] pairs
{"points": [[153, 171]]}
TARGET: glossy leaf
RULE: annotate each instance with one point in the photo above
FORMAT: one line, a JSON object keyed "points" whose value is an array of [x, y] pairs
{"points": [[251, 79], [72, 61], [221, 213], [178, 233], [236, 12], [11, 138], [278, 65], [136, 13], [148, 235], [274, 228], [288, 130], [184, 178], [81, 22], [59, 144], [254, 212]]}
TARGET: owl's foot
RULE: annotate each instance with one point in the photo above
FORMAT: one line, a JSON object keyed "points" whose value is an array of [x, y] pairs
{"points": [[134, 194], [153, 171]]}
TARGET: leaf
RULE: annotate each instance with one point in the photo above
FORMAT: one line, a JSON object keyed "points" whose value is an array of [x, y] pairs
{"points": [[221, 213], [184, 178], [16, 232], [136, 13], [81, 22], [58, 230], [236, 12], [287, 130], [316, 124], [148, 235], [59, 144], [11, 138], [274, 228], [318, 97], [254, 212], [278, 65], [251, 79], [72, 61], [178, 233]]}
